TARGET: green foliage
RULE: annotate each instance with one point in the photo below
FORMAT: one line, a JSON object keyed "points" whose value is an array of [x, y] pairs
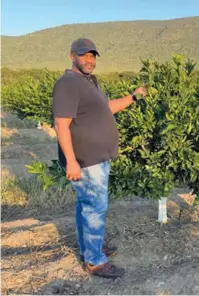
{"points": [[9, 76], [159, 136], [115, 77], [196, 201], [49, 176], [30, 96]]}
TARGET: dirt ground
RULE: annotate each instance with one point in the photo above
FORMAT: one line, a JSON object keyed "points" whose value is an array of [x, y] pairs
{"points": [[39, 252]]}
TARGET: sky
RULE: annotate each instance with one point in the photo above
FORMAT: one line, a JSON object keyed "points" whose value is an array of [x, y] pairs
{"points": [[20, 17]]}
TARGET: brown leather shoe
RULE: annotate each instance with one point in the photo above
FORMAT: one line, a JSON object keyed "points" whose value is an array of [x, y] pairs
{"points": [[107, 270], [108, 251]]}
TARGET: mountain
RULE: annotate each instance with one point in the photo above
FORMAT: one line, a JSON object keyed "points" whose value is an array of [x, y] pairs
{"points": [[121, 44]]}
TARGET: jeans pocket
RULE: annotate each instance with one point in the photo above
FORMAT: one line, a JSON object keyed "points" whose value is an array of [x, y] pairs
{"points": [[84, 190]]}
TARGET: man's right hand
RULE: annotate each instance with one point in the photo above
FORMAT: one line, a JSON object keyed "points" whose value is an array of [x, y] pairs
{"points": [[73, 171]]}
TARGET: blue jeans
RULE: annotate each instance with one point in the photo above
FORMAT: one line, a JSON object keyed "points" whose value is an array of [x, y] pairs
{"points": [[91, 206]]}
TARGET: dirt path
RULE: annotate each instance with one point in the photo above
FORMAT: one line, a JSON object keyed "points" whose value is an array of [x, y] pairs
{"points": [[39, 257], [39, 253]]}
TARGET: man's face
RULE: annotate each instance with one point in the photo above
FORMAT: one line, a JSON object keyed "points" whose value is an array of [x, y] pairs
{"points": [[85, 63]]}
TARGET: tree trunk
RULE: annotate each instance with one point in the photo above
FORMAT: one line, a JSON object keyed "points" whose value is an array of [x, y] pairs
{"points": [[162, 210]]}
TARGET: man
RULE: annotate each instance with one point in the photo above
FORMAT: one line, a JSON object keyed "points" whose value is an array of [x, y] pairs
{"points": [[88, 140]]}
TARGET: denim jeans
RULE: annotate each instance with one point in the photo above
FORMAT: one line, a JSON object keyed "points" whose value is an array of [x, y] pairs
{"points": [[91, 206]]}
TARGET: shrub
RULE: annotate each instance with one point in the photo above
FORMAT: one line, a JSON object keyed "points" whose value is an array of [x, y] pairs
{"points": [[31, 95], [159, 136]]}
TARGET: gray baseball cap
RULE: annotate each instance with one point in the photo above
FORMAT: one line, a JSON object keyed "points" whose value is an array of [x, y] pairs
{"points": [[82, 46]]}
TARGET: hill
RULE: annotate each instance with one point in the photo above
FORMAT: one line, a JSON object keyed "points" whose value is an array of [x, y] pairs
{"points": [[121, 44]]}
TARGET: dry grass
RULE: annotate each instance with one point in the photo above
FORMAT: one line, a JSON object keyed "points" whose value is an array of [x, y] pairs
{"points": [[7, 132], [12, 193], [34, 255], [49, 130], [12, 121], [16, 131], [6, 135], [20, 144], [19, 193], [29, 136]]}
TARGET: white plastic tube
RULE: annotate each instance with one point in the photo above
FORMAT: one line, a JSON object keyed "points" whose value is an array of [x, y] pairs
{"points": [[39, 125], [162, 210]]}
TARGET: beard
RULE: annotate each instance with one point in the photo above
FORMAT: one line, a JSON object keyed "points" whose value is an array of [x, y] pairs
{"points": [[86, 68]]}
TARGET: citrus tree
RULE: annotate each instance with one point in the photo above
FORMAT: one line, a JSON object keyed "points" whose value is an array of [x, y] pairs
{"points": [[159, 136], [30, 96]]}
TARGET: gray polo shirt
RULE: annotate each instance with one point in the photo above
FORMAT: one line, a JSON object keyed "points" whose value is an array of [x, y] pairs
{"points": [[93, 128]]}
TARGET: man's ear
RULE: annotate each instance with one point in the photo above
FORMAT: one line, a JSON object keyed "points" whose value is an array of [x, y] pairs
{"points": [[72, 56]]}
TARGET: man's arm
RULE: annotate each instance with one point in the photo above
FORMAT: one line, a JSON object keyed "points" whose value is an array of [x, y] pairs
{"points": [[122, 103], [64, 138]]}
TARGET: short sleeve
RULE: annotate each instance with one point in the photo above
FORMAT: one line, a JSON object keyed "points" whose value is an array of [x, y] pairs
{"points": [[65, 98], [103, 93]]}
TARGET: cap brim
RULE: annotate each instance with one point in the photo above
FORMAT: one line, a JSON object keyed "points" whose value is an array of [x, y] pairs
{"points": [[85, 50]]}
